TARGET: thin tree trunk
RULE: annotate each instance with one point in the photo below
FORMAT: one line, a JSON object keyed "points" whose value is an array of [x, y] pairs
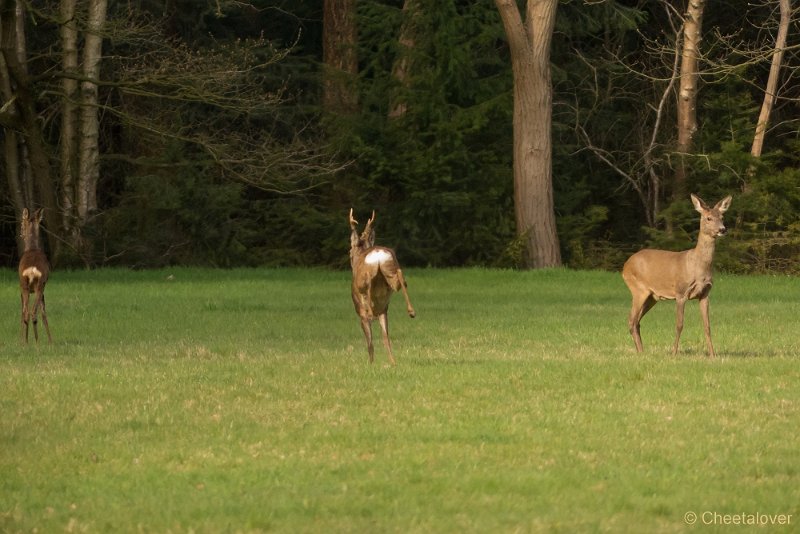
{"points": [[772, 82], [687, 95], [69, 119], [89, 166], [529, 44]]}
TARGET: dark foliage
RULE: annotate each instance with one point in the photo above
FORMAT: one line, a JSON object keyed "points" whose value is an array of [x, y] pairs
{"points": [[439, 174]]}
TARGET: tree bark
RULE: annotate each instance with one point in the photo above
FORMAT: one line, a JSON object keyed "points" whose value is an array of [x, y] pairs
{"points": [[340, 55], [69, 118], [772, 82], [89, 163], [402, 65], [529, 44], [687, 93], [11, 149], [20, 189]]}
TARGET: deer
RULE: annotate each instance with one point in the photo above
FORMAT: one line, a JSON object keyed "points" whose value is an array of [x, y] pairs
{"points": [[376, 275], [34, 269], [653, 275]]}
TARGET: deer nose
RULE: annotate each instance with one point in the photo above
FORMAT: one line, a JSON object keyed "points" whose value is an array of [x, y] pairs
{"points": [[723, 230]]}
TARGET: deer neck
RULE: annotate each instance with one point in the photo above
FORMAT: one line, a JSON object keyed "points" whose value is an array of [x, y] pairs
{"points": [[703, 252], [356, 254], [32, 243]]}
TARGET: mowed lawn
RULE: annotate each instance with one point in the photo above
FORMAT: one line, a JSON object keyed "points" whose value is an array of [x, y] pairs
{"points": [[199, 400]]}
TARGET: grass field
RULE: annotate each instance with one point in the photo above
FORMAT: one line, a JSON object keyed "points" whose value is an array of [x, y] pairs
{"points": [[241, 400]]}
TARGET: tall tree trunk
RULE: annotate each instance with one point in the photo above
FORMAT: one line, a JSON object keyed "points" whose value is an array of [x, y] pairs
{"points": [[772, 82], [89, 169], [340, 55], [69, 118], [687, 95], [9, 120], [529, 44], [20, 189]]}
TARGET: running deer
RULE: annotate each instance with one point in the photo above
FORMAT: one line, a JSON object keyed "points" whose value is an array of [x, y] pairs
{"points": [[376, 275], [33, 272], [654, 275]]}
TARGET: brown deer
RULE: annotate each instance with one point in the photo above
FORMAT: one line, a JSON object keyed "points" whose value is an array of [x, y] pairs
{"points": [[33, 272], [654, 275], [376, 275]]}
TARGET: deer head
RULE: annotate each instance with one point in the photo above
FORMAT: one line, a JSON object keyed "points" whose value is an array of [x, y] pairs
{"points": [[711, 218], [359, 244], [29, 229]]}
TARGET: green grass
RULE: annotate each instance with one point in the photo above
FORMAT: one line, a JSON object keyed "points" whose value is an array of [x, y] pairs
{"points": [[221, 401]]}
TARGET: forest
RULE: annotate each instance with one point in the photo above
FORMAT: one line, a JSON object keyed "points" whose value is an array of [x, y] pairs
{"points": [[240, 133]]}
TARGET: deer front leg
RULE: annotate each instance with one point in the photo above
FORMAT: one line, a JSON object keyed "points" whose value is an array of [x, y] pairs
{"points": [[707, 326], [366, 326], [383, 319], [680, 304]]}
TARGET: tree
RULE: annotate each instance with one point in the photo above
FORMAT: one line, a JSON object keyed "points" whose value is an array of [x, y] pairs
{"points": [[68, 148], [402, 65], [79, 152], [81, 148], [529, 45], [27, 159], [770, 94], [340, 56], [687, 91], [155, 107]]}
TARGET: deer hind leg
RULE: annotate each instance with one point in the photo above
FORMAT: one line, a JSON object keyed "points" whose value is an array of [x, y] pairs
{"points": [[707, 326], [404, 288], [23, 331], [35, 315], [640, 305], [366, 326], [680, 304], [44, 318], [383, 319], [367, 301]]}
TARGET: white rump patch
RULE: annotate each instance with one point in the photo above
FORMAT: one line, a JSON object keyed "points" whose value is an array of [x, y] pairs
{"points": [[32, 273], [378, 256]]}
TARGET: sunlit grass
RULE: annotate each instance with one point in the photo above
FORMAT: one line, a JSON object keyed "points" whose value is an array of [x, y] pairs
{"points": [[242, 400]]}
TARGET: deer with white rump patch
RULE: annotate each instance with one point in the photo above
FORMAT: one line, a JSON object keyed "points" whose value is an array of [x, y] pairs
{"points": [[33, 272], [376, 275], [654, 275]]}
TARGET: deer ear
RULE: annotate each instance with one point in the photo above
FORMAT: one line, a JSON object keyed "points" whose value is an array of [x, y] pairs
{"points": [[39, 215], [24, 213], [699, 205], [724, 204]]}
